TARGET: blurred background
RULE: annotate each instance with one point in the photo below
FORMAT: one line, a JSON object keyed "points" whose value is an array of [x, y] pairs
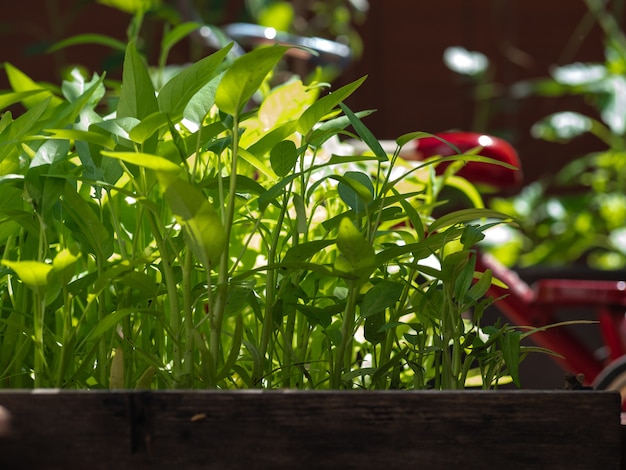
{"points": [[548, 76], [399, 44]]}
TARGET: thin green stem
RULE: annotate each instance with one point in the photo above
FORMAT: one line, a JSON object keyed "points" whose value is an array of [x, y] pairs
{"points": [[216, 310], [343, 355], [188, 320], [270, 287], [39, 359]]}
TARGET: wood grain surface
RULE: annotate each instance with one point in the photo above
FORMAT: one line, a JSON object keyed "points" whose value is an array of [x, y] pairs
{"points": [[287, 429]]}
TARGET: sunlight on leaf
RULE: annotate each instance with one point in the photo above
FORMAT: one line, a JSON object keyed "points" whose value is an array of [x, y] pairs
{"points": [[32, 273]]}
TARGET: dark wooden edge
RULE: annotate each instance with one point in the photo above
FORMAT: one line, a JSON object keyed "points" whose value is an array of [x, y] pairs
{"points": [[287, 429]]}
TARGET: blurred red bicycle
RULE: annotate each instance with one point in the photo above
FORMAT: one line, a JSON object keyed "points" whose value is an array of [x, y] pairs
{"points": [[536, 305]]}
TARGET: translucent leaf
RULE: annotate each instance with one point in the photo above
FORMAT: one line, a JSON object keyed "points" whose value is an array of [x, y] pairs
{"points": [[323, 107], [177, 92], [32, 273], [286, 103], [356, 254], [244, 77], [202, 102], [175, 35], [411, 136], [278, 15], [465, 216], [89, 39], [64, 264], [21, 83], [145, 160], [257, 163], [365, 134], [85, 136], [137, 96], [132, 6], [148, 126], [206, 235], [9, 98], [201, 225]]}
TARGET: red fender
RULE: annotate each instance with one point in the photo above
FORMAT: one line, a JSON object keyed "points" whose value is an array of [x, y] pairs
{"points": [[492, 175]]}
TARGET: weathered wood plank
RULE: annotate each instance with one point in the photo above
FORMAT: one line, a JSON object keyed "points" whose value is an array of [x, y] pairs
{"points": [[283, 429]]}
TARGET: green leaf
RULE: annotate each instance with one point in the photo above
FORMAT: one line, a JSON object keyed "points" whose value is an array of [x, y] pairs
{"points": [[271, 138], [465, 216], [327, 129], [145, 381], [86, 136], [356, 254], [178, 91], [89, 224], [472, 234], [356, 190], [64, 264], [480, 288], [201, 225], [305, 251], [510, 344], [202, 102], [145, 160], [82, 39], [269, 196], [411, 136], [205, 234], [132, 6], [382, 296], [414, 217], [244, 77], [235, 350], [283, 157], [50, 152], [32, 273], [148, 126], [365, 134], [21, 83], [372, 328], [322, 107], [9, 98], [463, 276], [286, 103], [107, 323], [301, 216], [257, 163], [137, 96], [172, 37]]}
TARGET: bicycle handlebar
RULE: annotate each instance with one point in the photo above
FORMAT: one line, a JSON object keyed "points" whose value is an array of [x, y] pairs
{"points": [[324, 51]]}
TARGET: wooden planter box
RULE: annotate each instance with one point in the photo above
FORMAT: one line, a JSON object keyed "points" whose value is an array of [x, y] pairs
{"points": [[291, 429]]}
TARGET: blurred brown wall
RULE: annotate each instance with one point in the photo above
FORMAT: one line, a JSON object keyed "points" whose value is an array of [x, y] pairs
{"points": [[412, 89], [404, 42]]}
